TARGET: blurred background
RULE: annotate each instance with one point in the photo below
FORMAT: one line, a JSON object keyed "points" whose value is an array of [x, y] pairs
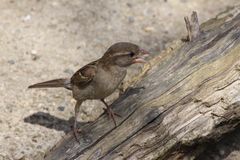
{"points": [[46, 39]]}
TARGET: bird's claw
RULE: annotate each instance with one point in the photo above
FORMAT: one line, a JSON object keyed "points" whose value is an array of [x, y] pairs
{"points": [[76, 132], [112, 114]]}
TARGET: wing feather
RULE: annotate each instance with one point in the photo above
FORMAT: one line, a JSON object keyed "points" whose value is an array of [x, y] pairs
{"points": [[85, 75]]}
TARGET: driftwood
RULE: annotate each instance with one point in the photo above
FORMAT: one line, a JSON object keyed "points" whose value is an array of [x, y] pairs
{"points": [[188, 99]]}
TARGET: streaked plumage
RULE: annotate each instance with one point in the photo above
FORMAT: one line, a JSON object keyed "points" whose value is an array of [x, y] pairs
{"points": [[100, 78]]}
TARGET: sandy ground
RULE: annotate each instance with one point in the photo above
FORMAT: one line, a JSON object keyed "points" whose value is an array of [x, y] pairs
{"points": [[46, 39]]}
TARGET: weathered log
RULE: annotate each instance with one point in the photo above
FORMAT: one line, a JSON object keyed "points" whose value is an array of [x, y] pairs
{"points": [[190, 97]]}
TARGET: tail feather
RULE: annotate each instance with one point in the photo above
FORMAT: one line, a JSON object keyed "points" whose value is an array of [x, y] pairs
{"points": [[53, 83]]}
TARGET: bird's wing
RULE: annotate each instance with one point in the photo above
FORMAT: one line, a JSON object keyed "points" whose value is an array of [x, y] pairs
{"points": [[84, 75]]}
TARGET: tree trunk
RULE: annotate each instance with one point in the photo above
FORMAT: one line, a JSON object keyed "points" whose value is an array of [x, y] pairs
{"points": [[188, 98]]}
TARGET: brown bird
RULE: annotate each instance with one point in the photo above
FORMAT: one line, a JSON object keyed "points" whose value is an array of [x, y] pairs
{"points": [[99, 79]]}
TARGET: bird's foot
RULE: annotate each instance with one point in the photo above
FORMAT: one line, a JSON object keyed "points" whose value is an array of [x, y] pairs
{"points": [[112, 114], [76, 132]]}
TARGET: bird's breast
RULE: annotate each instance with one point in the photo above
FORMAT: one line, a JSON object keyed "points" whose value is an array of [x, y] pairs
{"points": [[107, 81]]}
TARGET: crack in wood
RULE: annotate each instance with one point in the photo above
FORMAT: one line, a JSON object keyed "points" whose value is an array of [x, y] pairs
{"points": [[192, 70], [157, 114]]}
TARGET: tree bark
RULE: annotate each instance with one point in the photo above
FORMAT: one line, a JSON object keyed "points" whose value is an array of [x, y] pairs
{"points": [[187, 99]]}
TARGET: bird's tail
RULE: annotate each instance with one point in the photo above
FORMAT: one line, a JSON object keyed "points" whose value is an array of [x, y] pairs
{"points": [[53, 83]]}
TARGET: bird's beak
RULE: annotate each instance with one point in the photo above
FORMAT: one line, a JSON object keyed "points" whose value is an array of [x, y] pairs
{"points": [[141, 57]]}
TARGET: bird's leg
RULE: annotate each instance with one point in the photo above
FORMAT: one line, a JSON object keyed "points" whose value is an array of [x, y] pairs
{"points": [[110, 112], [75, 130]]}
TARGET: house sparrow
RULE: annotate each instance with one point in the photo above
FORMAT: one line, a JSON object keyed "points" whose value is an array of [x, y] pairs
{"points": [[99, 79]]}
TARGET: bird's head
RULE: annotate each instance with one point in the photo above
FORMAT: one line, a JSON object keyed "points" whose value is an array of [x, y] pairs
{"points": [[125, 54]]}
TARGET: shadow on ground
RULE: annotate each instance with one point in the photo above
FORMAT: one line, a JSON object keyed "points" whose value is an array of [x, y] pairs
{"points": [[49, 121]]}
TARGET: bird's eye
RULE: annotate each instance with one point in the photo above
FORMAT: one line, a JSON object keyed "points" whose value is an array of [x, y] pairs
{"points": [[131, 54]]}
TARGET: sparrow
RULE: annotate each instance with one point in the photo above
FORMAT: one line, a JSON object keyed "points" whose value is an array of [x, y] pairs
{"points": [[100, 78]]}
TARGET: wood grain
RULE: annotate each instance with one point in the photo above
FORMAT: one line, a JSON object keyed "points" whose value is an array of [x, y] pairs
{"points": [[190, 96]]}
